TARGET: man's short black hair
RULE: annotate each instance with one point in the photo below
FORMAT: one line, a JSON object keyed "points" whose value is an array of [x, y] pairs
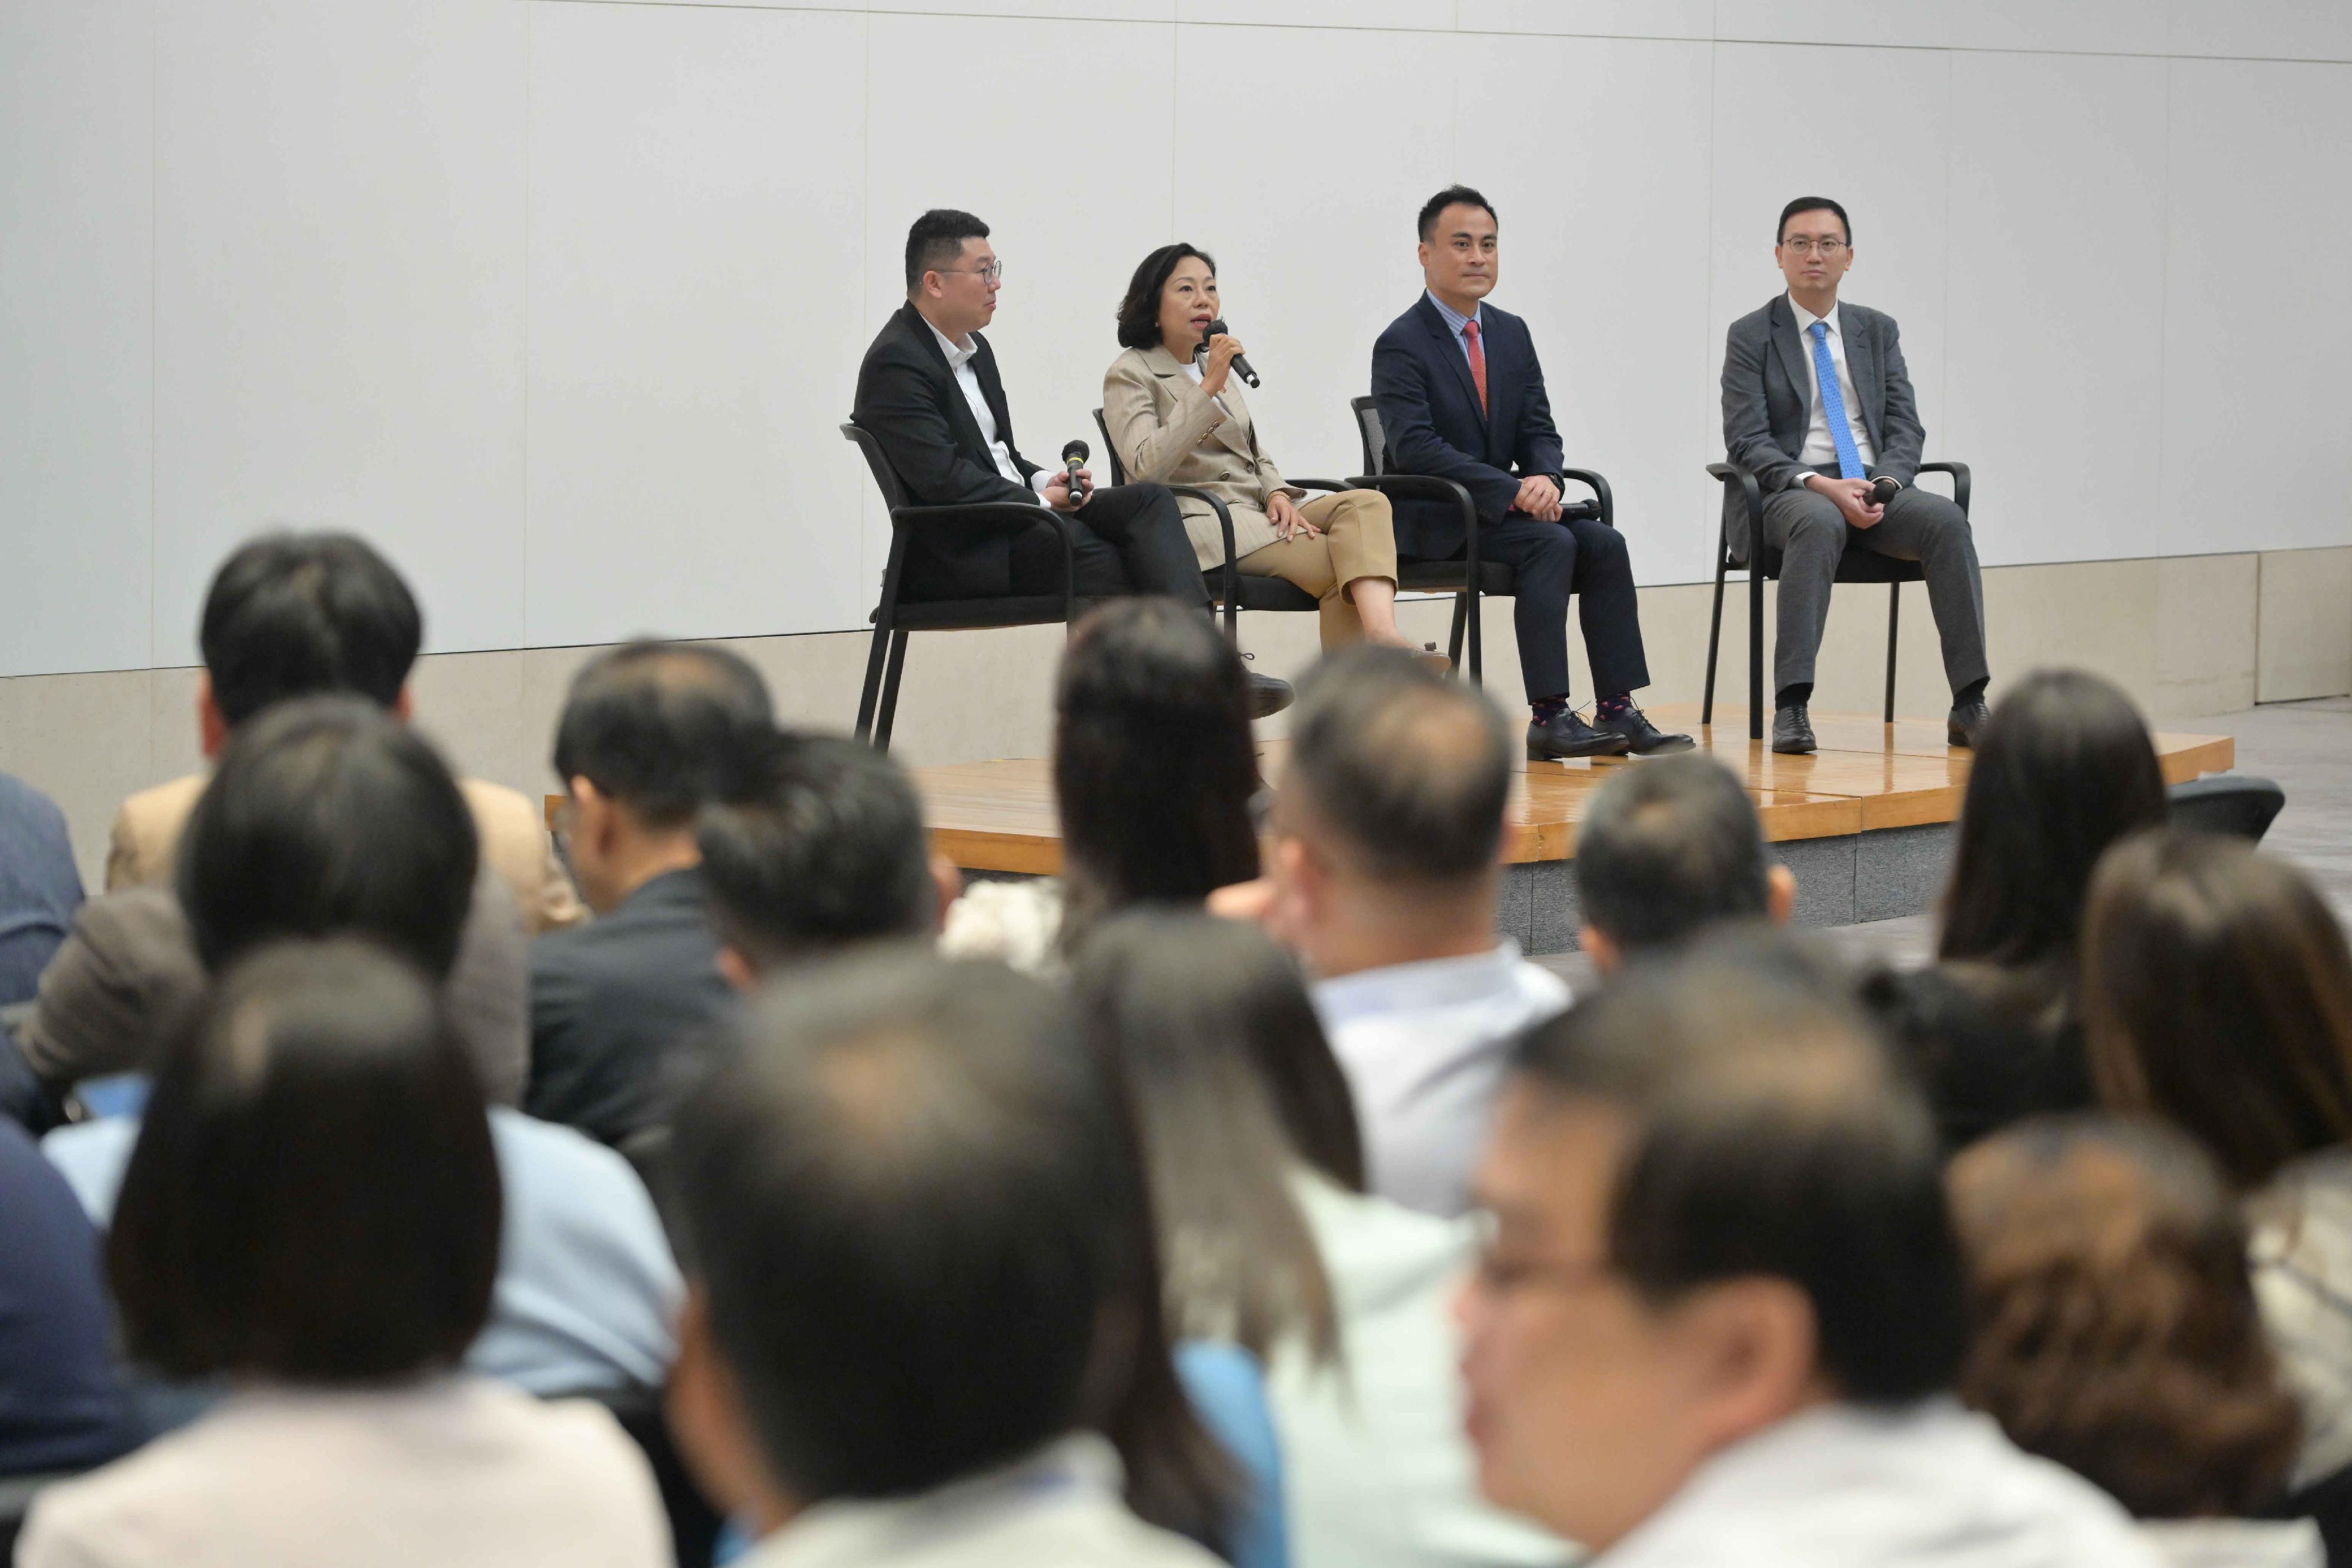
{"points": [[1411, 770], [1425, 225], [327, 815], [909, 1194], [1812, 204], [1771, 1134], [828, 850], [1669, 848], [936, 240], [314, 1197], [666, 729], [293, 614]]}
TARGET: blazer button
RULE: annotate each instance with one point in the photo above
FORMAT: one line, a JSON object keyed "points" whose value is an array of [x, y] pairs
{"points": [[1229, 474]]}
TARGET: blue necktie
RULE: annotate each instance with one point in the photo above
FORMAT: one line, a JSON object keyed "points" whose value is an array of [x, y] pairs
{"points": [[1834, 404]]}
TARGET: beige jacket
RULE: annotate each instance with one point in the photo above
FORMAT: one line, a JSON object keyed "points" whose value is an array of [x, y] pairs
{"points": [[1167, 431], [515, 843]]}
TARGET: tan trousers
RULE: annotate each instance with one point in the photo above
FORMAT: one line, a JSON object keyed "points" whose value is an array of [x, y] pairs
{"points": [[1358, 540]]}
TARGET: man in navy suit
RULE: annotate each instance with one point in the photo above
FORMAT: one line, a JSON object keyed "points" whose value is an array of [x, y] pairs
{"points": [[1462, 397]]}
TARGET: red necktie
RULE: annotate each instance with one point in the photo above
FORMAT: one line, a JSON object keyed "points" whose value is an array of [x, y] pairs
{"points": [[1477, 361]]}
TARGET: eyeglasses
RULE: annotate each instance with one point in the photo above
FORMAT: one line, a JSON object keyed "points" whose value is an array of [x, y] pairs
{"points": [[989, 272], [1804, 247]]}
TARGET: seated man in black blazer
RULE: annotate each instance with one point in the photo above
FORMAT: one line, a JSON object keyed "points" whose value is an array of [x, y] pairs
{"points": [[1462, 397], [929, 391]]}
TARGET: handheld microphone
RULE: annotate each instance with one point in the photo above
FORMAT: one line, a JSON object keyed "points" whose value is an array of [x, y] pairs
{"points": [[1884, 490], [1241, 361], [1074, 457]]}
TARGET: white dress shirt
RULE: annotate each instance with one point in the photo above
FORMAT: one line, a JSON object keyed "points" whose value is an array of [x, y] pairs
{"points": [[968, 381], [1821, 455], [1425, 1047], [1926, 1485], [1061, 1508]]}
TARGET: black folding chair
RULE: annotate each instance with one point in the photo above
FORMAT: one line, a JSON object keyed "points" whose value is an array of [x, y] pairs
{"points": [[1763, 562], [1471, 577], [896, 616], [2227, 803]]}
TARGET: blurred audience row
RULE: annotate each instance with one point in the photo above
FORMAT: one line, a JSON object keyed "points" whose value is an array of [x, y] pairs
{"points": [[719, 1177]]}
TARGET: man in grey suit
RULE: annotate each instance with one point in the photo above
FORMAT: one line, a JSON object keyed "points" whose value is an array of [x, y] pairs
{"points": [[1818, 406]]}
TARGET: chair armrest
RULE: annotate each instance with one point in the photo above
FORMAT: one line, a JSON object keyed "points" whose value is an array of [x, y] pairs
{"points": [[1604, 505], [1430, 488], [1753, 493], [1334, 486], [1959, 473], [969, 512]]}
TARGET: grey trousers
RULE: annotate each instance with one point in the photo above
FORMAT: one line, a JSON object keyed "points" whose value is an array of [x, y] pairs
{"points": [[1810, 534]]}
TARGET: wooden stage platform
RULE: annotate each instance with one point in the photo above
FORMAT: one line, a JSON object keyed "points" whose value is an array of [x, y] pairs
{"points": [[1866, 777]]}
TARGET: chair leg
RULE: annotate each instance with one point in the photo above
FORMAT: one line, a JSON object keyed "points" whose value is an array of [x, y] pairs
{"points": [[1754, 653], [1454, 641], [1894, 618], [1714, 643], [1478, 640], [890, 691], [873, 688]]}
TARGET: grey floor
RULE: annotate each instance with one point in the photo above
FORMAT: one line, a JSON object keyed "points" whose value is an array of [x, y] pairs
{"points": [[2305, 746]]}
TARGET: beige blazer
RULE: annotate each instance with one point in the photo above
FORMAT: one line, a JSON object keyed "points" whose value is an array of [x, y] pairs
{"points": [[1167, 431], [515, 843]]}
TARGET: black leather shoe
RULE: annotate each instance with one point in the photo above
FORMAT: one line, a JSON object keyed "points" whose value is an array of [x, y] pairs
{"points": [[1643, 738], [1269, 695], [1792, 731], [1965, 723], [1568, 736]]}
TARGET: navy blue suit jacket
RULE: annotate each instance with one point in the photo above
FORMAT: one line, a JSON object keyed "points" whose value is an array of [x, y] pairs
{"points": [[1432, 422]]}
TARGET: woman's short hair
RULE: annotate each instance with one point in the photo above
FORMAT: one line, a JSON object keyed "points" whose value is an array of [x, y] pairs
{"points": [[2115, 1329], [2217, 993], [314, 1197], [1139, 313], [2065, 769], [1153, 764]]}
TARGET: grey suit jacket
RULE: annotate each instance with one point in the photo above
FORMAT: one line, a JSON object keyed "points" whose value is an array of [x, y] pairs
{"points": [[1767, 398]]}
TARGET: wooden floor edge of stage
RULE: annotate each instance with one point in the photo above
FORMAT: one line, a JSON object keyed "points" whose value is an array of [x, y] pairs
{"points": [[1867, 776]]}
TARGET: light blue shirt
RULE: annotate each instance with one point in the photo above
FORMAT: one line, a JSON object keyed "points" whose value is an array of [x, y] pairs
{"points": [[1455, 321], [587, 1293]]}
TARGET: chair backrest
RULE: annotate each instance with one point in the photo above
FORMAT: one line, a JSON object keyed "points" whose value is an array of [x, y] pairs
{"points": [[1370, 435], [2241, 807], [1110, 453], [886, 478]]}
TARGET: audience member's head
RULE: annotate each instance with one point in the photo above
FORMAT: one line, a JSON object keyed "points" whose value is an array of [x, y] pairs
{"points": [[1390, 823], [826, 850], [1153, 764], [1715, 1204], [314, 1197], [1210, 1025], [2063, 768], [327, 815], [293, 615], [2217, 993], [2115, 1328], [1667, 850], [651, 733], [915, 1220], [1981, 1067]]}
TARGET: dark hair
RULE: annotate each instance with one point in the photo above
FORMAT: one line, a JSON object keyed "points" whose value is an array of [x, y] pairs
{"points": [[914, 1201], [1411, 769], [2063, 768], [827, 850], [313, 1196], [2217, 993], [1812, 204], [1139, 313], [2116, 1327], [935, 241], [293, 614], [1984, 1050], [1233, 1083], [1770, 1136], [1669, 848], [325, 815], [666, 729], [1453, 195], [1153, 764]]}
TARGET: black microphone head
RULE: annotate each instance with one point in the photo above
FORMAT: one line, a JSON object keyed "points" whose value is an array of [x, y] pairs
{"points": [[1075, 452], [1884, 490], [1213, 330]]}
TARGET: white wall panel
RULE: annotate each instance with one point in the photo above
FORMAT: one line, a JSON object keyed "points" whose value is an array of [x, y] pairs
{"points": [[1604, 237], [1426, 16], [339, 294], [77, 334], [2055, 356], [2258, 314], [698, 266], [1906, 24], [1599, 18], [2276, 30], [2093, 26]]}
